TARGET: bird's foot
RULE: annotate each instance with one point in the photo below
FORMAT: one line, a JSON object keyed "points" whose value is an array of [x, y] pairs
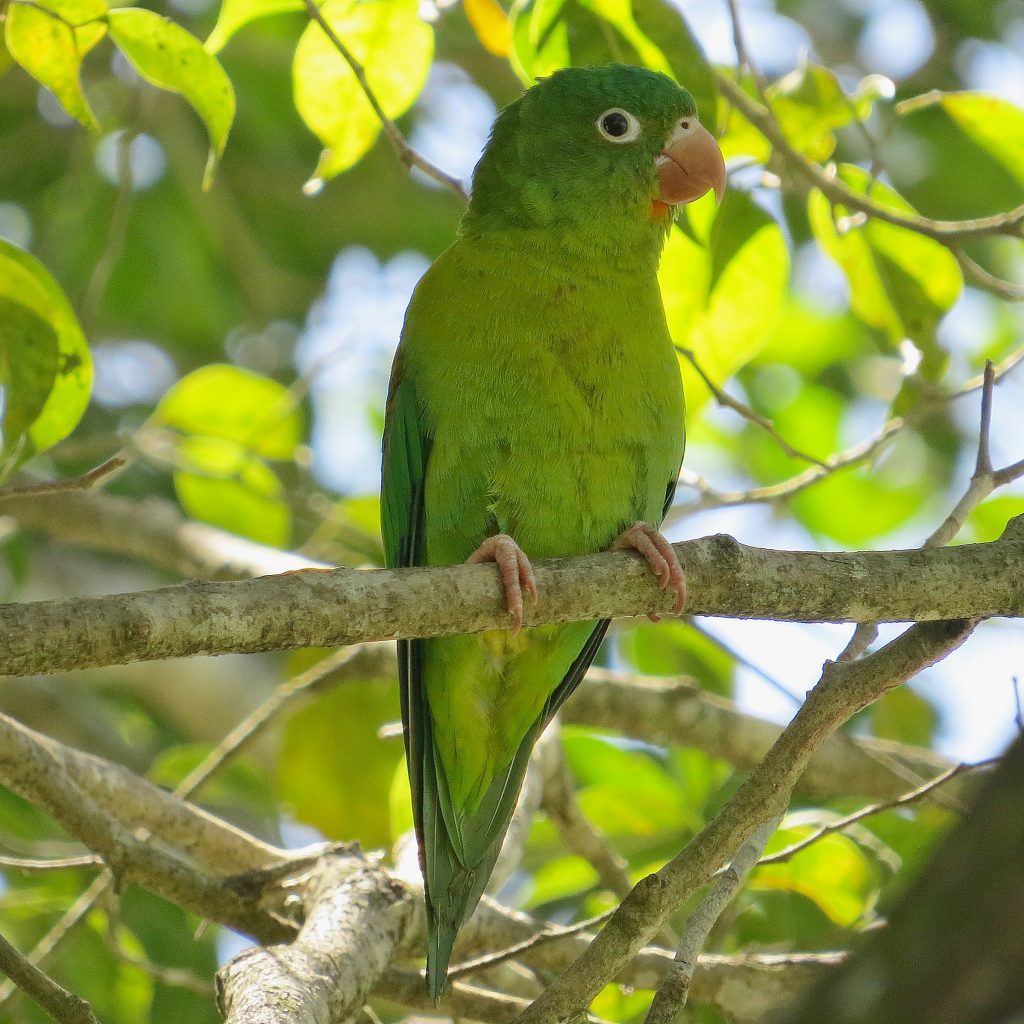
{"points": [[516, 572], [661, 557]]}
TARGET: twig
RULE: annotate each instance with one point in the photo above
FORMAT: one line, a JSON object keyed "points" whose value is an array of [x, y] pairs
{"points": [[949, 232], [674, 991], [100, 474], [408, 156], [1006, 290], [88, 860], [260, 717], [726, 401], [841, 692], [841, 824], [550, 934], [60, 1004]]}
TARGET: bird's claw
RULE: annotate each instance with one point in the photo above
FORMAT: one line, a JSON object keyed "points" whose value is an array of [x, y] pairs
{"points": [[516, 572], [661, 557]]}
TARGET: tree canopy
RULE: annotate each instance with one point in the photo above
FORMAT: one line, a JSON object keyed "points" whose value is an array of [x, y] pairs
{"points": [[211, 218]]}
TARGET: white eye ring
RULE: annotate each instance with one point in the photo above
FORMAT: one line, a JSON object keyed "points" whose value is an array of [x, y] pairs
{"points": [[618, 125]]}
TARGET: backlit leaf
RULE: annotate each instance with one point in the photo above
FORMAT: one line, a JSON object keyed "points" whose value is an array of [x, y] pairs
{"points": [[235, 404], [39, 315], [170, 58], [392, 43], [491, 25], [223, 483], [236, 14], [51, 52]]}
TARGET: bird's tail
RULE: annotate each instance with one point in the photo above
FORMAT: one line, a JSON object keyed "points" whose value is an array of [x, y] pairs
{"points": [[440, 939]]}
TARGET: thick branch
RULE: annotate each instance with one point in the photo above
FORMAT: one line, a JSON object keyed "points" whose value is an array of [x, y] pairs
{"points": [[315, 608], [356, 916], [670, 712], [843, 690]]}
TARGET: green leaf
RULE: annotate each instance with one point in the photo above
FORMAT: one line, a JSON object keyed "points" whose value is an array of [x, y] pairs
{"points": [[40, 409], [395, 47], [170, 58], [994, 124], [723, 287], [560, 878], [238, 405], [223, 483], [989, 519], [901, 282], [810, 104], [904, 715], [28, 367], [550, 34], [834, 873], [337, 774], [51, 51], [236, 14], [677, 649]]}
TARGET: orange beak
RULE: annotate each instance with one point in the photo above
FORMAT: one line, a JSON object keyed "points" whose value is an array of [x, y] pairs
{"points": [[690, 165]]}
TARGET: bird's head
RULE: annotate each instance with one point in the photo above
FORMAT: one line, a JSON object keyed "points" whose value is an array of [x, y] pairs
{"points": [[611, 144]]}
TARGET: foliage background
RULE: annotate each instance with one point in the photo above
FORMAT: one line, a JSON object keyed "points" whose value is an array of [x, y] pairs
{"points": [[241, 335]]}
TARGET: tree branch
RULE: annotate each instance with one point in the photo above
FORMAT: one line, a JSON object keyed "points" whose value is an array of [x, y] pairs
{"points": [[331, 608], [60, 1004], [844, 689]]}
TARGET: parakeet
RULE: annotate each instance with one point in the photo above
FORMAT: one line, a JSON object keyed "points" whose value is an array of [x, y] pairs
{"points": [[535, 410]]}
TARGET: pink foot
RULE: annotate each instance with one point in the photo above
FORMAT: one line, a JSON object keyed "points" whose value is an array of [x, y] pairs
{"points": [[661, 557], [516, 572]]}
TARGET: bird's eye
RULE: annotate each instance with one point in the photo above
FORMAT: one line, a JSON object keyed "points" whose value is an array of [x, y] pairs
{"points": [[618, 125]]}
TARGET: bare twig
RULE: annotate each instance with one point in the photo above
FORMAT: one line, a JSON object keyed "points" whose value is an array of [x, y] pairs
{"points": [[27, 864], [674, 991], [405, 153], [841, 824], [726, 401], [60, 1004], [96, 476], [949, 232], [1005, 290]]}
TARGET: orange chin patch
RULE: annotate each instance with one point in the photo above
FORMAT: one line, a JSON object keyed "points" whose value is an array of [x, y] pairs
{"points": [[659, 210]]}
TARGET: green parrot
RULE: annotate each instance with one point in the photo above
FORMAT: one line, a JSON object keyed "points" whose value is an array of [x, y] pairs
{"points": [[535, 411]]}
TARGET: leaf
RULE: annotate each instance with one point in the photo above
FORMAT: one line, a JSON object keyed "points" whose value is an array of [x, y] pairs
{"points": [[170, 58], [56, 402], [336, 773], [833, 872], [901, 282], [223, 483], [810, 104], [989, 519], [491, 25], [677, 649], [236, 14], [906, 716], [28, 367], [51, 52], [723, 288], [994, 124], [550, 34], [235, 404], [394, 46]]}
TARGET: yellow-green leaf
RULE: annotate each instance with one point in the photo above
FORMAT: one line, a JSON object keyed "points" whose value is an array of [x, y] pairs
{"points": [[170, 58], [833, 872], [901, 282], [51, 52], [392, 43], [723, 286], [236, 14], [223, 483], [994, 124], [238, 405], [25, 283], [491, 25]]}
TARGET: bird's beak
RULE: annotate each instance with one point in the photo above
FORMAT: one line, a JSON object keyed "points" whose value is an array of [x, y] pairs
{"points": [[690, 164]]}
